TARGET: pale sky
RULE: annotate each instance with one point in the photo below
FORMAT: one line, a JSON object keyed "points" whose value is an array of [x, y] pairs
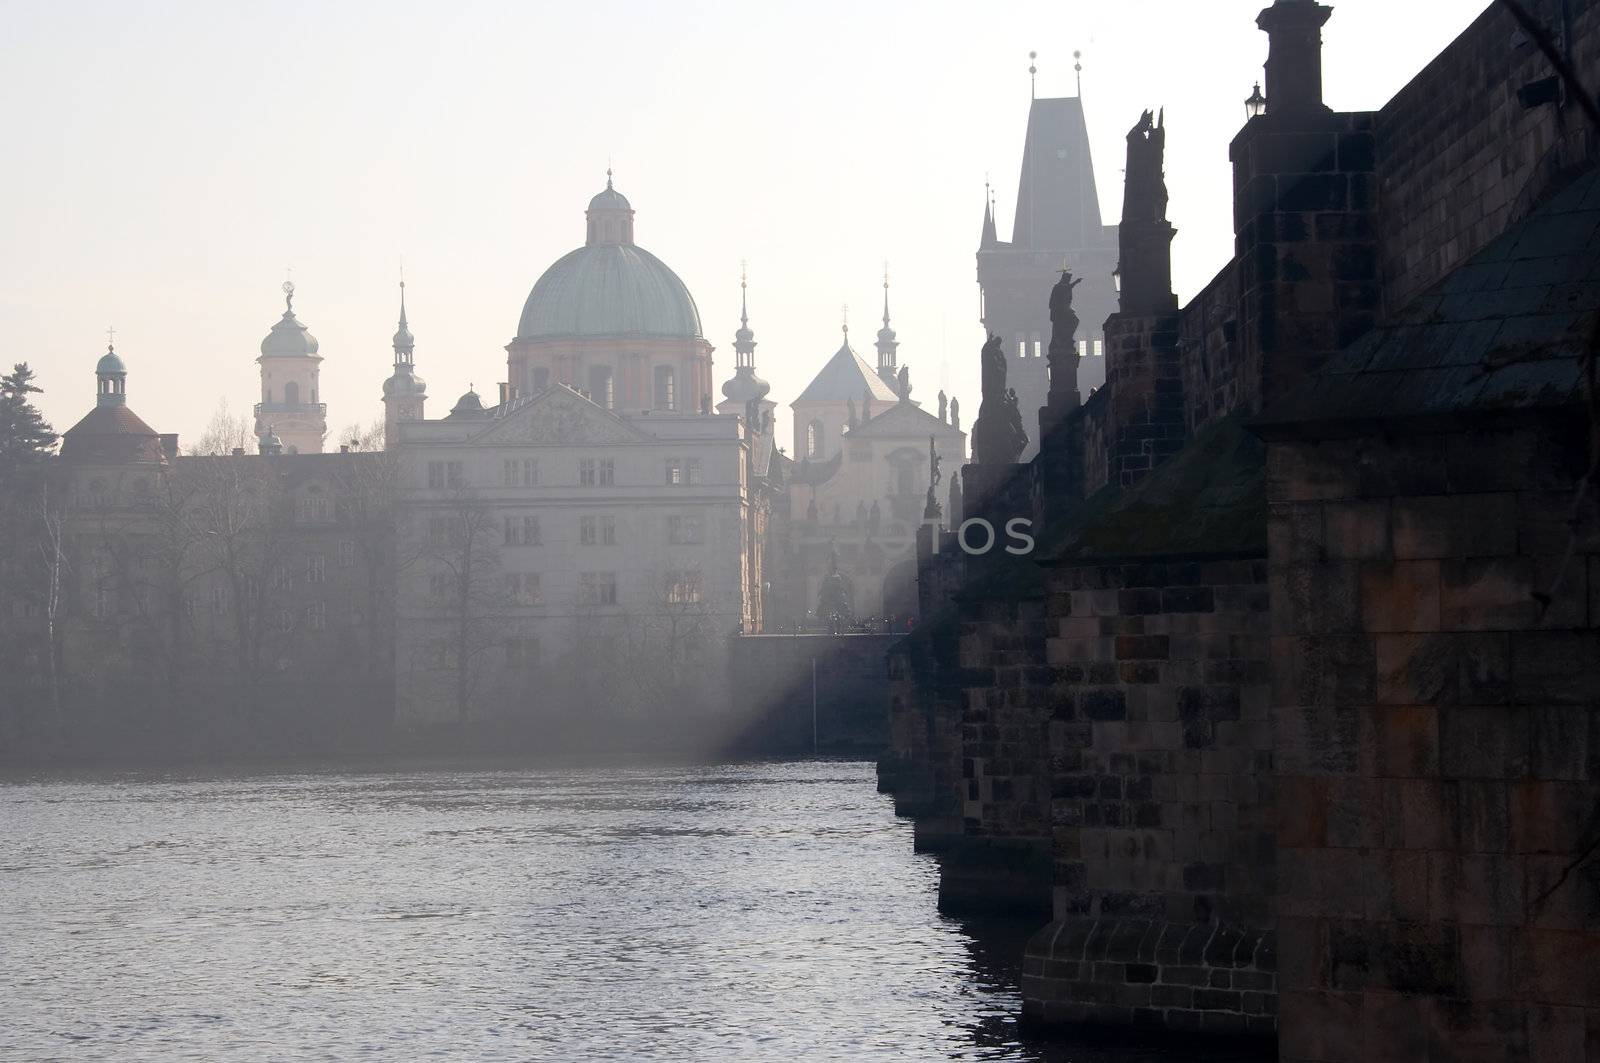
{"points": [[167, 161]]}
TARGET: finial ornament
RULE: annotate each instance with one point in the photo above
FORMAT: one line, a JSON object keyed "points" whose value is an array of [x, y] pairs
{"points": [[1033, 75], [608, 174], [111, 335], [744, 314], [1077, 68], [288, 289], [844, 313], [886, 294]]}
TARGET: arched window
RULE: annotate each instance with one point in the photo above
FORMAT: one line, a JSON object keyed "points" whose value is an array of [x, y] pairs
{"points": [[814, 439], [291, 394], [666, 388]]}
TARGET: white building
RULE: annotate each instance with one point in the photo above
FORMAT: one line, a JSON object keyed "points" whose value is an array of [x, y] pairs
{"points": [[567, 548]]}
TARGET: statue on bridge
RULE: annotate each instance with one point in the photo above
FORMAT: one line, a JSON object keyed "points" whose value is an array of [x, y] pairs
{"points": [[999, 437], [931, 510], [1063, 354], [833, 595]]}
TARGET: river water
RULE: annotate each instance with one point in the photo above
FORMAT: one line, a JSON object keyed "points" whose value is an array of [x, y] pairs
{"points": [[746, 912]]}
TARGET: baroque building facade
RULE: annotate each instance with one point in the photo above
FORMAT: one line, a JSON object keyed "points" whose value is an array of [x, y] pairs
{"points": [[599, 526]]}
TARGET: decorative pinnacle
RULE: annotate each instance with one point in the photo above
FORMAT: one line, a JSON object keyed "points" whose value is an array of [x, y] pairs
{"points": [[844, 313], [1077, 68], [886, 294], [744, 316], [111, 335], [1033, 71], [288, 290], [608, 174]]}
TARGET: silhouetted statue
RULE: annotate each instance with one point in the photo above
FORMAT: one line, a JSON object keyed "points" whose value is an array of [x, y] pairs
{"points": [[944, 407], [955, 497], [998, 438], [955, 414], [874, 519], [705, 404], [811, 508], [850, 416], [861, 514], [833, 594], [931, 510], [905, 383], [1063, 353], [866, 407], [1145, 186]]}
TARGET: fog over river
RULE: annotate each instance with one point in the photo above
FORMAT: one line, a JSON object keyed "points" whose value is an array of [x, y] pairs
{"points": [[743, 912]]}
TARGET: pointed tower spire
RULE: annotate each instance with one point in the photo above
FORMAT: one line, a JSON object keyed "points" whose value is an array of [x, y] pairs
{"points": [[888, 371], [989, 238], [404, 393], [744, 388]]}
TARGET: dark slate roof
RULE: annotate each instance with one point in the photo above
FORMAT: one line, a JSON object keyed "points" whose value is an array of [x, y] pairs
{"points": [[847, 376], [1058, 206], [1502, 332], [111, 434], [902, 419], [1208, 501]]}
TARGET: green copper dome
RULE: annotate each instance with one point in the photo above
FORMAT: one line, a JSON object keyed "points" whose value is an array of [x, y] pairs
{"points": [[609, 290], [610, 286]]}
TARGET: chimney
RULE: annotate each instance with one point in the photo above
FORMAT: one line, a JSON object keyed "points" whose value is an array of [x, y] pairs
{"points": [[505, 393], [1294, 55]]}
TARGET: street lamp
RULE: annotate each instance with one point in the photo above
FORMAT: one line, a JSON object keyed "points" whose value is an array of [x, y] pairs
{"points": [[1256, 105], [1116, 278]]}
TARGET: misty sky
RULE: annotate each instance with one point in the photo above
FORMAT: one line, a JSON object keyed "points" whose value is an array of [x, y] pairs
{"points": [[167, 161]]}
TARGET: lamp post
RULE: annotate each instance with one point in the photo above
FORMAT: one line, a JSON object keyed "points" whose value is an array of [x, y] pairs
{"points": [[1256, 105]]}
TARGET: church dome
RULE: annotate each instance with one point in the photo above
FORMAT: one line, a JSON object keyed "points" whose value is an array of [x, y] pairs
{"points": [[289, 338], [468, 405], [404, 384], [610, 286], [609, 290], [110, 362]]}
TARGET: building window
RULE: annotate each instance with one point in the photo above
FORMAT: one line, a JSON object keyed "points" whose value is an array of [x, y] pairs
{"points": [[316, 569], [1099, 348], [453, 474], [522, 654], [219, 601], [586, 472], [524, 473], [446, 531], [597, 531], [312, 510], [674, 472], [347, 553], [666, 388], [685, 531], [317, 616], [281, 579], [814, 439], [597, 588], [902, 480], [522, 588], [439, 655], [600, 389], [435, 474], [291, 394], [691, 469], [608, 472], [685, 587], [531, 535]]}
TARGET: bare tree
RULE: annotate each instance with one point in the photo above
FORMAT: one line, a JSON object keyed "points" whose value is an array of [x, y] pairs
{"points": [[225, 433], [460, 546]]}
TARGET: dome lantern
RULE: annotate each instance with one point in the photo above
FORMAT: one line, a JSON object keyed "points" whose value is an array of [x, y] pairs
{"points": [[610, 217], [111, 379]]}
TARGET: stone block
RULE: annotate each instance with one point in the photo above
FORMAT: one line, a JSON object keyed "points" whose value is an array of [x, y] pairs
{"points": [[1440, 526], [1418, 814], [1400, 741], [1322, 1026], [1316, 598], [1556, 667], [1295, 533], [1305, 471], [1551, 817], [1400, 596], [1556, 967], [1484, 889], [1357, 531], [1488, 594], [1395, 1028], [1483, 742]]}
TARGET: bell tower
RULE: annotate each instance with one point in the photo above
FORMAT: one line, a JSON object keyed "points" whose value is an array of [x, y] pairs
{"points": [[290, 401], [404, 393]]}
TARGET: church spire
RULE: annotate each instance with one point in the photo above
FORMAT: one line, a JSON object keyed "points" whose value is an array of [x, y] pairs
{"points": [[404, 341], [989, 238], [744, 340], [887, 345]]}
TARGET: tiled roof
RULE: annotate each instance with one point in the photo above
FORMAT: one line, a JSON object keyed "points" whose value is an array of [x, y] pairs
{"points": [[847, 376]]}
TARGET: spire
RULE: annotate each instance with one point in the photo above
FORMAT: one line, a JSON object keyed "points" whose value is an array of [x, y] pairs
{"points": [[989, 237], [745, 387], [1077, 68], [744, 340], [1033, 76], [887, 346], [404, 341]]}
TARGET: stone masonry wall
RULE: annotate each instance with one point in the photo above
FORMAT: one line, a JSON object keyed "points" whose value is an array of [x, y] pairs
{"points": [[1460, 158], [1438, 747], [1210, 352], [1160, 746]]}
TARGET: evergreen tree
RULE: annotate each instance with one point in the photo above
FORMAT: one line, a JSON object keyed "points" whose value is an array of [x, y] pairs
{"points": [[25, 437]]}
